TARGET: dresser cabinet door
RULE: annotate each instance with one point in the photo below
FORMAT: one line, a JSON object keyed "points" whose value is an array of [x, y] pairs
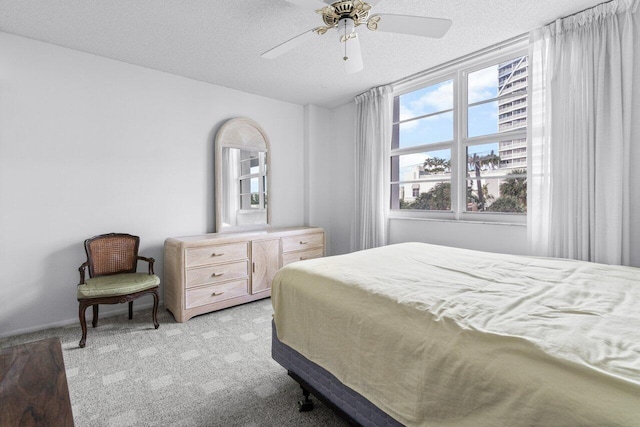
{"points": [[265, 257]]}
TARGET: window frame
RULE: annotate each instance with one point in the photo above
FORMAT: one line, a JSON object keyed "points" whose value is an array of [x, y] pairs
{"points": [[458, 72], [261, 175]]}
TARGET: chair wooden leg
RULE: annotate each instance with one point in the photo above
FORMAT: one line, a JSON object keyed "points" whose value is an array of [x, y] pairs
{"points": [[94, 322], [156, 299], [83, 322], [130, 310]]}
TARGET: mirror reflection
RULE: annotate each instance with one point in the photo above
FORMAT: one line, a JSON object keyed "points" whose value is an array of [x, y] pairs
{"points": [[242, 185]]}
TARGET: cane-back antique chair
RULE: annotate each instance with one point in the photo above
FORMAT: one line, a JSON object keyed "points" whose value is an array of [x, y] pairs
{"points": [[112, 260]]}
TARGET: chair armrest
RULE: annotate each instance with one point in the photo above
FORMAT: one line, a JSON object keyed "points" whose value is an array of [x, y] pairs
{"points": [[81, 270], [150, 261]]}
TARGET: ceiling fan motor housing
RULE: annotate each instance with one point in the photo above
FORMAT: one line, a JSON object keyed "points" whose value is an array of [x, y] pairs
{"points": [[353, 10]]}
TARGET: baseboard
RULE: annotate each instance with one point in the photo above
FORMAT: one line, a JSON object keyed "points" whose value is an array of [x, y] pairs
{"points": [[121, 309]]}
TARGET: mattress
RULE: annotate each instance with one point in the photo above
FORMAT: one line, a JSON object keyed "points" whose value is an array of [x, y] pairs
{"points": [[434, 335]]}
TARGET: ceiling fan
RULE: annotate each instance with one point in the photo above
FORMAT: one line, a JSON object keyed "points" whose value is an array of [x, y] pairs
{"points": [[345, 16]]}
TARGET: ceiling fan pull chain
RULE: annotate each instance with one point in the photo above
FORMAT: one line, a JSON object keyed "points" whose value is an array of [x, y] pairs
{"points": [[345, 41]]}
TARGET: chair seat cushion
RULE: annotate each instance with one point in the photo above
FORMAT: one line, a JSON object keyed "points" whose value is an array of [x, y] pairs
{"points": [[117, 284]]}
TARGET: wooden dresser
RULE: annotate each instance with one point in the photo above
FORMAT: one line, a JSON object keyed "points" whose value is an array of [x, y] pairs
{"points": [[219, 270]]}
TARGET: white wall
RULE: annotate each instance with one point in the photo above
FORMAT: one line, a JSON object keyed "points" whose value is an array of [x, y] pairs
{"points": [[89, 146], [330, 157], [490, 237]]}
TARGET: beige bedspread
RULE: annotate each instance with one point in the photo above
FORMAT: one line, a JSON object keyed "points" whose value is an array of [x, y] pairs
{"points": [[440, 336]]}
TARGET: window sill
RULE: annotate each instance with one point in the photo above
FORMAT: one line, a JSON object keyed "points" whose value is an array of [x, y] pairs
{"points": [[448, 217]]}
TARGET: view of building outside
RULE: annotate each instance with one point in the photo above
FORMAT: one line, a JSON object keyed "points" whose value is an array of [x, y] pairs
{"points": [[496, 167], [512, 111]]}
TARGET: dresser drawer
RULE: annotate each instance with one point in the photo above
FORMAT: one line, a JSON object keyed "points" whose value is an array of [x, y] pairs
{"points": [[214, 293], [216, 254], [302, 242], [217, 273], [218, 270], [290, 257]]}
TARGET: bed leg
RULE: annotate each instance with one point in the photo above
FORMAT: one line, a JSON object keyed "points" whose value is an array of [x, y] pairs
{"points": [[305, 404]]}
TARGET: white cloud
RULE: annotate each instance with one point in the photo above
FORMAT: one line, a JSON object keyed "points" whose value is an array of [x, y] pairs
{"points": [[483, 84], [437, 100], [412, 159]]}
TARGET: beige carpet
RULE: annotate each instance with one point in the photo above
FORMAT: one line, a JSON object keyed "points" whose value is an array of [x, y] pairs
{"points": [[214, 370]]}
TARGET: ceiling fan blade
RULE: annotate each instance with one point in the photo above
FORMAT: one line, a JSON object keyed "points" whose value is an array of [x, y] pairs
{"points": [[353, 53], [289, 44], [414, 25]]}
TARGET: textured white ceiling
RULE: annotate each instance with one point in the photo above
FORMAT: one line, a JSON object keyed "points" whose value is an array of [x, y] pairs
{"points": [[221, 41]]}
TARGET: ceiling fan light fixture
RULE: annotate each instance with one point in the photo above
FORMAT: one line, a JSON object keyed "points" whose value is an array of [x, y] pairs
{"points": [[352, 53], [347, 29]]}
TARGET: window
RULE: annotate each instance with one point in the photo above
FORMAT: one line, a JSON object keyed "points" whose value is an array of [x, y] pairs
{"points": [[421, 148], [252, 180], [459, 146]]}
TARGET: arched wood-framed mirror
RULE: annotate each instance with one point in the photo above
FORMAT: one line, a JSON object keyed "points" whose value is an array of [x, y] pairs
{"points": [[242, 183]]}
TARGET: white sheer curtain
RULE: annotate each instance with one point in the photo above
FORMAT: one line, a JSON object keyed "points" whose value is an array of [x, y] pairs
{"points": [[373, 142], [585, 80]]}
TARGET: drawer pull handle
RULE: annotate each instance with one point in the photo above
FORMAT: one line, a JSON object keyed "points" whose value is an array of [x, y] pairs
{"points": [[303, 243], [215, 294], [215, 254], [302, 258], [217, 274]]}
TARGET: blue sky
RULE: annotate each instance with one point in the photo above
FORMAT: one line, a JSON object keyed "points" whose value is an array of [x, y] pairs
{"points": [[482, 118]]}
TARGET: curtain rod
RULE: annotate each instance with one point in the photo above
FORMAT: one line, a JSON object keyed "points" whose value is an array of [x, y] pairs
{"points": [[473, 55], [579, 12]]}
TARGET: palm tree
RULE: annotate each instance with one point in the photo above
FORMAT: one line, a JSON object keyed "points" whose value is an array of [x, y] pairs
{"points": [[436, 165], [479, 163], [513, 194], [439, 196], [516, 187], [507, 204]]}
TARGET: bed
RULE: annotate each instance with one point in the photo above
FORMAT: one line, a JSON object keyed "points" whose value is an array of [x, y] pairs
{"points": [[417, 334]]}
